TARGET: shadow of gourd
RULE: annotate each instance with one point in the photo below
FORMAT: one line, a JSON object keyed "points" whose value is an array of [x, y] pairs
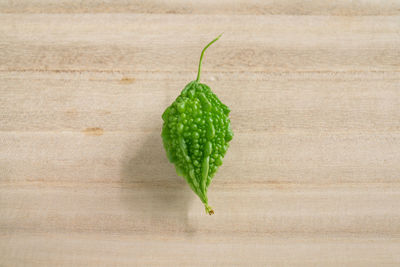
{"points": [[155, 195]]}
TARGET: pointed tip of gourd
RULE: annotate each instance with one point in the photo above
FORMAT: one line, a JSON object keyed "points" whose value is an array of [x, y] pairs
{"points": [[209, 210]]}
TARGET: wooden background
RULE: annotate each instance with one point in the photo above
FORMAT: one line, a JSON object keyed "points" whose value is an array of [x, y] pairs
{"points": [[312, 177]]}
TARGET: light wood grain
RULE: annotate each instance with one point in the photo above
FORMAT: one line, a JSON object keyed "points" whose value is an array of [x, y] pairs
{"points": [[310, 102], [105, 249], [312, 174], [250, 7], [256, 158], [123, 42]]}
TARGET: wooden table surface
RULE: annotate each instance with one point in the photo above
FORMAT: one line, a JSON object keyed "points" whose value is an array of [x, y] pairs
{"points": [[312, 177]]}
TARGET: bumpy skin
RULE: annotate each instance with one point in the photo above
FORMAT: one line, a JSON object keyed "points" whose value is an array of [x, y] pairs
{"points": [[195, 134]]}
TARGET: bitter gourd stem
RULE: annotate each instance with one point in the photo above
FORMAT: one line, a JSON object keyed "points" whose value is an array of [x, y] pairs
{"points": [[202, 54]]}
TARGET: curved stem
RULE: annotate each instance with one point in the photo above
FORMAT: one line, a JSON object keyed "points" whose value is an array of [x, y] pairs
{"points": [[202, 54]]}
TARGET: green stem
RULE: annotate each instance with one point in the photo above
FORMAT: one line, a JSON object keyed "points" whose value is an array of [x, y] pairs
{"points": [[202, 54]]}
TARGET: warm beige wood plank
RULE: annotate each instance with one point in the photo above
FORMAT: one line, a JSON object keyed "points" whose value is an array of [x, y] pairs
{"points": [[196, 250], [312, 175], [313, 102], [122, 42], [360, 210], [139, 157], [270, 7], [75, 223]]}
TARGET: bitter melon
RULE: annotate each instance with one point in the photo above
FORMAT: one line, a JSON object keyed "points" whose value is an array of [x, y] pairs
{"points": [[196, 134]]}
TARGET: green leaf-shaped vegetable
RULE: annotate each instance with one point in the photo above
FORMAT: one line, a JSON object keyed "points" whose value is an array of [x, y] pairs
{"points": [[196, 133]]}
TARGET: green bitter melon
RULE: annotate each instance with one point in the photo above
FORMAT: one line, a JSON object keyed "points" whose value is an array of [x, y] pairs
{"points": [[196, 134]]}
